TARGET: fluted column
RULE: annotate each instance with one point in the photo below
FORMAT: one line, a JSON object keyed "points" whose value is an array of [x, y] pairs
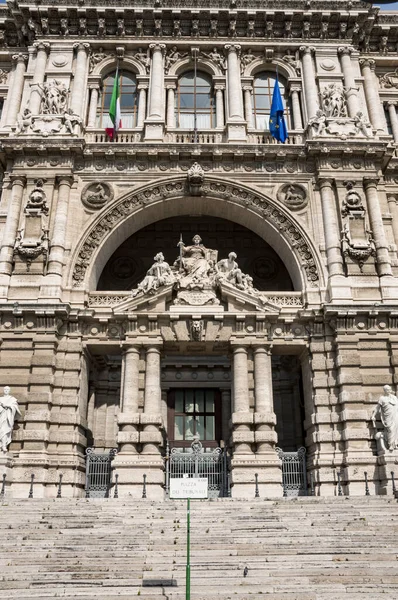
{"points": [[15, 93], [79, 79], [18, 183], [156, 87], [310, 86], [242, 418], [234, 87], [392, 111], [331, 228], [129, 396], [371, 94], [92, 111], [152, 419], [36, 90], [296, 108], [220, 119], [58, 238], [264, 416], [171, 116], [349, 80], [143, 89], [248, 90], [377, 227]]}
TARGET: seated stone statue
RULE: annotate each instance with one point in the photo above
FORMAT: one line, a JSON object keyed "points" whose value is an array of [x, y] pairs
{"points": [[387, 411], [228, 270], [8, 408], [159, 274]]}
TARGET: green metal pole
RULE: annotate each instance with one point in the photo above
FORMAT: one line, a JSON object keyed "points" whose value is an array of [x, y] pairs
{"points": [[188, 568]]}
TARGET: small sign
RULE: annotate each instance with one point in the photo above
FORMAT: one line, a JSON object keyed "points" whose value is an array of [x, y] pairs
{"points": [[193, 487]]}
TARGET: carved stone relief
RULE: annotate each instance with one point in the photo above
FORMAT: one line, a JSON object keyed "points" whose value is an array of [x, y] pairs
{"points": [[55, 95], [293, 195], [389, 80], [195, 178], [334, 102], [96, 194]]}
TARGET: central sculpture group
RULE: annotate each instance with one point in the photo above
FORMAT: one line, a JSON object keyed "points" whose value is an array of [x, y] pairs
{"points": [[196, 269]]}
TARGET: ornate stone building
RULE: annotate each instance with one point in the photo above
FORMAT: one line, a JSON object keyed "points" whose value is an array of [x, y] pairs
{"points": [[285, 343]]}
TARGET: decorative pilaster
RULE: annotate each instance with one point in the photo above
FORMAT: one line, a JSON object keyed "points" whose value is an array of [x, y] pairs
{"points": [[392, 200], [156, 104], [92, 111], [236, 121], [331, 228], [296, 108], [143, 90], [15, 93], [264, 416], [351, 89], [79, 80], [242, 417], [377, 227], [58, 238], [392, 111], [310, 86], [129, 396], [371, 94], [151, 419], [36, 90], [18, 183], [248, 90], [220, 119], [171, 118]]}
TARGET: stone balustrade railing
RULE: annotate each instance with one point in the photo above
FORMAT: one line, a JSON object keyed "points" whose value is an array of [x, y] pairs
{"points": [[192, 137], [126, 136]]}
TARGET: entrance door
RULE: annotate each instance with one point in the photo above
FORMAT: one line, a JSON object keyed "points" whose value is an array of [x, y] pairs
{"points": [[194, 411]]}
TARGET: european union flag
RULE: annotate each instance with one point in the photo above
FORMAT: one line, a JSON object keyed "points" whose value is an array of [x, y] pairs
{"points": [[277, 124]]}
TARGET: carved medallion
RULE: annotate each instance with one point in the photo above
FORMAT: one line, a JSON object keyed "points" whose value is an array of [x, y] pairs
{"points": [[96, 194], [294, 196]]}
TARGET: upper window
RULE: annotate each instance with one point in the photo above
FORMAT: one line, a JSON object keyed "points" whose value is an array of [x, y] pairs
{"points": [[195, 102], [262, 98], [128, 100]]}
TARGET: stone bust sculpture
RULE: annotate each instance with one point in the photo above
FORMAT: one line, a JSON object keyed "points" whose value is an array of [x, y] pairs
{"points": [[8, 408], [387, 411]]}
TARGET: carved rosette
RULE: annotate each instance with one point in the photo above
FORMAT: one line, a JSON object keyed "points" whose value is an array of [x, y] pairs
{"points": [[288, 229]]}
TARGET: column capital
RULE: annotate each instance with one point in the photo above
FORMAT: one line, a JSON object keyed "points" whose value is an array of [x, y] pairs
{"points": [[345, 50], [131, 349], [238, 347], [170, 85], [142, 86], [81, 46], [367, 62], [219, 87], [158, 47], [248, 88], [307, 49], [370, 182], [20, 58], [262, 349], [392, 198], [94, 85], [153, 347], [42, 46], [232, 48], [391, 102], [325, 182], [295, 87], [64, 180], [18, 180]]}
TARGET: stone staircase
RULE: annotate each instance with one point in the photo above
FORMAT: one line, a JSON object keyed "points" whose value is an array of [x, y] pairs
{"points": [[294, 549]]}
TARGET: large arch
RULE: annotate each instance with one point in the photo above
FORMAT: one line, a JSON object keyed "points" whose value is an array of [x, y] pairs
{"points": [[170, 197]]}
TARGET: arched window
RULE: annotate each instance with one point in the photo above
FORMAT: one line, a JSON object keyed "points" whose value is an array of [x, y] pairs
{"points": [[128, 100], [195, 96], [263, 89]]}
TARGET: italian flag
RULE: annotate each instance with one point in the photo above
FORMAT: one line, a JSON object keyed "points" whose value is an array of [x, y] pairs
{"points": [[114, 109]]}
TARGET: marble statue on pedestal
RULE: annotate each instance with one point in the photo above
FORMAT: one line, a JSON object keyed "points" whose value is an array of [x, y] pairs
{"points": [[387, 411], [8, 408]]}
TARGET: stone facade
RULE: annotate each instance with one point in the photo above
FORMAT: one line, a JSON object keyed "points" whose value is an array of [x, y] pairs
{"points": [[91, 365]]}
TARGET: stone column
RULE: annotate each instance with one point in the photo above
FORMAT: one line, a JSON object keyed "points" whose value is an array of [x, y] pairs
{"points": [[220, 120], [171, 117], [151, 419], [142, 88], [79, 80], [349, 80], [15, 93], [377, 227], [392, 111], [371, 94], [92, 111], [156, 104], [18, 183], [392, 200], [225, 415], [310, 86], [36, 91], [242, 418], [264, 416], [331, 228], [58, 238], [296, 108], [234, 87], [129, 417], [248, 90]]}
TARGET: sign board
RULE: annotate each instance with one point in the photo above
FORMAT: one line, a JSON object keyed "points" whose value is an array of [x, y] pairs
{"points": [[192, 487]]}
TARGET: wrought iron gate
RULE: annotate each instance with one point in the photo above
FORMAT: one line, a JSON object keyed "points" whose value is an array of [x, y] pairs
{"points": [[196, 462], [294, 472], [99, 473]]}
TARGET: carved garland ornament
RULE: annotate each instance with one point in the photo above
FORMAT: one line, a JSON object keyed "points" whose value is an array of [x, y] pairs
{"points": [[178, 188]]}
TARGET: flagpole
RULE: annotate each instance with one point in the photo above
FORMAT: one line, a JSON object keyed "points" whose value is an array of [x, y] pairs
{"points": [[114, 125]]}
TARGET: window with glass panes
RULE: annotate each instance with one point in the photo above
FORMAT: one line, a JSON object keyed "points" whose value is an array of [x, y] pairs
{"points": [[194, 411], [263, 89], [195, 95], [128, 100]]}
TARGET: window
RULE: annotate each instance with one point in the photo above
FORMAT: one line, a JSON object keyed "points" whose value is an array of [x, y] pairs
{"points": [[194, 95], [128, 100], [262, 99], [194, 411]]}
